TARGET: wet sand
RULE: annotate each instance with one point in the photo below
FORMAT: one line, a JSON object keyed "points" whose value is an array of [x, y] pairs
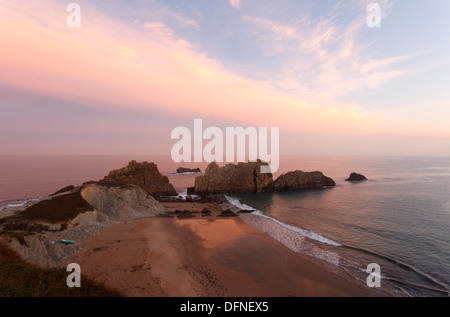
{"points": [[204, 256]]}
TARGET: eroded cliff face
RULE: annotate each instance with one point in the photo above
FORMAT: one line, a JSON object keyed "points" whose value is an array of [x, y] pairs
{"points": [[121, 201], [300, 180], [145, 175], [30, 248], [35, 230], [240, 178]]}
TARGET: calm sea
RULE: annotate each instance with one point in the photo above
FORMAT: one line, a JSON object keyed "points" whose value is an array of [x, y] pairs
{"points": [[399, 218]]}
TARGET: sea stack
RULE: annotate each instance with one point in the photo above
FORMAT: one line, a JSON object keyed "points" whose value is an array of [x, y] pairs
{"points": [[145, 175], [182, 170], [231, 178], [301, 180], [355, 177]]}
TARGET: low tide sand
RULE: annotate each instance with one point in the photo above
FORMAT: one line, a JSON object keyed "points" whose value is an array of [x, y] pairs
{"points": [[204, 256]]}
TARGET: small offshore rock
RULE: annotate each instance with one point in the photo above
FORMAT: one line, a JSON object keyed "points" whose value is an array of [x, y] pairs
{"points": [[355, 177]]}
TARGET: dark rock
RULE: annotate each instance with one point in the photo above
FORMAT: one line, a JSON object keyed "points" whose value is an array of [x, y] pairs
{"points": [[241, 178], [300, 180], [205, 199], [227, 213], [182, 214], [58, 209], [63, 190], [145, 175], [89, 183], [206, 211], [182, 170], [355, 177], [191, 191], [245, 211]]}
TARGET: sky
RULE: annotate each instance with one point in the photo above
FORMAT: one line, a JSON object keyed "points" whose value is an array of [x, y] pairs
{"points": [[135, 70]]}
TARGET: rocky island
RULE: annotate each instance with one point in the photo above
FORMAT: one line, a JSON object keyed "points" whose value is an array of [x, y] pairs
{"points": [[355, 177], [231, 178], [184, 170], [247, 178], [300, 180]]}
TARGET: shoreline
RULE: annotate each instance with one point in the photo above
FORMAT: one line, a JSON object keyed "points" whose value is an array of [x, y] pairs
{"points": [[205, 255]]}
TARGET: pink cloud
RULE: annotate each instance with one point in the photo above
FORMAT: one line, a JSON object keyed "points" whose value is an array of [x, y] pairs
{"points": [[236, 3], [144, 67]]}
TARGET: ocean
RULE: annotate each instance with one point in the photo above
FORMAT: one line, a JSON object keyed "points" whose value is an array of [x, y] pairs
{"points": [[399, 218]]}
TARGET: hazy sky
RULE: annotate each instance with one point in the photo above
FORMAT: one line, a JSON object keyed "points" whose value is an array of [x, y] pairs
{"points": [[135, 70]]}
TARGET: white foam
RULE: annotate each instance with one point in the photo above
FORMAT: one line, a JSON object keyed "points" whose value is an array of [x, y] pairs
{"points": [[303, 232], [296, 239], [183, 193], [238, 204], [17, 205], [21, 203], [375, 274]]}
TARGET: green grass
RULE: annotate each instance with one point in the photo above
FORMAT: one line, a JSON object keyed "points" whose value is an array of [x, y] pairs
{"points": [[20, 279]]}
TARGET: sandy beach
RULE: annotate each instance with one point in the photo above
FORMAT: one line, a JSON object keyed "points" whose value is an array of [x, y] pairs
{"points": [[203, 255]]}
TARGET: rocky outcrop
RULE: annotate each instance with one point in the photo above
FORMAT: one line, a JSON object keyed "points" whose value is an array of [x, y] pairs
{"points": [[241, 178], [56, 213], [182, 170], [145, 175], [63, 190], [90, 218], [300, 180], [123, 201], [191, 190], [355, 177], [31, 248], [81, 212], [47, 214]]}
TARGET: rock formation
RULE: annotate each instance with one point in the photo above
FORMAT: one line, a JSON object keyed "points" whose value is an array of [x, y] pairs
{"points": [[227, 213], [82, 208], [355, 177], [47, 214], [300, 180], [241, 178], [89, 218], [182, 170], [145, 175], [31, 249], [122, 201], [63, 190]]}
